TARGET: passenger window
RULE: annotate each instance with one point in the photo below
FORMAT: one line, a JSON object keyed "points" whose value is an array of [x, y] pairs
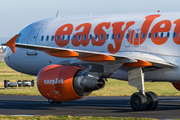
{"points": [[118, 36], [168, 35], [57, 38], [155, 35], [127, 35], [143, 35], [68, 37], [84, 37], [42, 38], [101, 37], [52, 38], [174, 34], [96, 37], [63, 37], [149, 36], [162, 34], [107, 36], [47, 38], [79, 37], [74, 36], [90, 36], [179, 35], [136, 36], [112, 36]]}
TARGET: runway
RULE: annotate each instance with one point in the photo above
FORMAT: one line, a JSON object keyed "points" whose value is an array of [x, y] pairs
{"points": [[169, 107]]}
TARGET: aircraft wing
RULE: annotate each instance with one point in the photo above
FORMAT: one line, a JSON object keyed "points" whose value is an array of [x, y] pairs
{"points": [[130, 59]]}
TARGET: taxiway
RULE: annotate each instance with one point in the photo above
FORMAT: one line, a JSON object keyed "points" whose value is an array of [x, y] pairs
{"points": [[168, 108]]}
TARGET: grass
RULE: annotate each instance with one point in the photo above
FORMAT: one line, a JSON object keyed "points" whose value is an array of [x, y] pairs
{"points": [[112, 88], [6, 73], [51, 117]]}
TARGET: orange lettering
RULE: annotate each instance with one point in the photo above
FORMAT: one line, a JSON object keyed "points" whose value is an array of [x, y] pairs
{"points": [[117, 29], [82, 37], [177, 30], [144, 30], [131, 38], [162, 26], [99, 31], [63, 30]]}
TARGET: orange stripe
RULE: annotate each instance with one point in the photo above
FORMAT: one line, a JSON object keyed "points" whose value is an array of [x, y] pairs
{"points": [[11, 43], [63, 53], [97, 58], [139, 63]]}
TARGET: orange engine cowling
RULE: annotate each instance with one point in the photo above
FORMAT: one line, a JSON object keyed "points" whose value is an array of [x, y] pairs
{"points": [[177, 85], [66, 83]]}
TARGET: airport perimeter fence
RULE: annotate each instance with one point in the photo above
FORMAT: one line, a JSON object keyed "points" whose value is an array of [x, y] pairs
{"points": [[18, 83]]}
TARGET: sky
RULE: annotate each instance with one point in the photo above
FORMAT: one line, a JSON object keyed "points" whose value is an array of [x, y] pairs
{"points": [[17, 14]]}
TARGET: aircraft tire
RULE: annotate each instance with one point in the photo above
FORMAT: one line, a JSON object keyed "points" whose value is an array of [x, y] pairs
{"points": [[152, 100], [138, 101], [51, 101], [58, 102]]}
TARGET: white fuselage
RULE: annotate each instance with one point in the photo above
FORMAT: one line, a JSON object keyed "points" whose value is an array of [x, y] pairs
{"points": [[132, 35]]}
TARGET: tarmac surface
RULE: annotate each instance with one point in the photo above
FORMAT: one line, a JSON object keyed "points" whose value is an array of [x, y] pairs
{"points": [[168, 108]]}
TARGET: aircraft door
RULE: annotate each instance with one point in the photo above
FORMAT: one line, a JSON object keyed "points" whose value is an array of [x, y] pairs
{"points": [[132, 39], [128, 38], [32, 38], [136, 39]]}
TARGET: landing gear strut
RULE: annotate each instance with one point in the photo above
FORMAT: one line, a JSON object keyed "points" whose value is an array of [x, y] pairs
{"points": [[141, 101]]}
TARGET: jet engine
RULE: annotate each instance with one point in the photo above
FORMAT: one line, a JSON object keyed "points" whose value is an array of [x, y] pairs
{"points": [[66, 83], [177, 85]]}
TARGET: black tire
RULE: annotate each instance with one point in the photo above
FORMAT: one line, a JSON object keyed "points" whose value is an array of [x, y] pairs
{"points": [[138, 101], [51, 101], [58, 102], [152, 101]]}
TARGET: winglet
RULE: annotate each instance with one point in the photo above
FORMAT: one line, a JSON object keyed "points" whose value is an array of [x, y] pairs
{"points": [[11, 43]]}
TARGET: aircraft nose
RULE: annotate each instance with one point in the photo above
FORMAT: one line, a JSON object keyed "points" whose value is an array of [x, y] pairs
{"points": [[8, 57]]}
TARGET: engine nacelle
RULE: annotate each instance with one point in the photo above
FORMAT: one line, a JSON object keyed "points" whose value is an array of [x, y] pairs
{"points": [[177, 85], [66, 83]]}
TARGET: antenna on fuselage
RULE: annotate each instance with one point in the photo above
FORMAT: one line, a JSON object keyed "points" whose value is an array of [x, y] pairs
{"points": [[57, 15]]}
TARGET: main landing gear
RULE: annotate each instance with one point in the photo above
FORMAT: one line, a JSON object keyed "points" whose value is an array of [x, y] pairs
{"points": [[141, 101]]}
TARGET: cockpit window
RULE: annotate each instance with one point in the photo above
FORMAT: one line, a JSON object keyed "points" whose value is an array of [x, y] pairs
{"points": [[17, 40]]}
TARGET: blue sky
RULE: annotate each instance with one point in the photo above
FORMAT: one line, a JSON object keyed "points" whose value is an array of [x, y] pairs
{"points": [[17, 14]]}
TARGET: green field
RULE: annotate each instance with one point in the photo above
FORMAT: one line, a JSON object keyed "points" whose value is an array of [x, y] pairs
{"points": [[112, 88], [51, 117]]}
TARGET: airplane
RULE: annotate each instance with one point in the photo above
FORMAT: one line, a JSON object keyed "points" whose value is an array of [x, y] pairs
{"points": [[74, 55]]}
